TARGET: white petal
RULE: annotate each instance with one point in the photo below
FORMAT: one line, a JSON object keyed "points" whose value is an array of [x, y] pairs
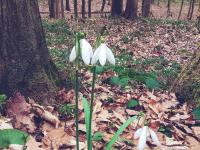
{"points": [[143, 138], [72, 55], [95, 57], [137, 133], [110, 56], [154, 137], [16, 147], [102, 54], [86, 51]]}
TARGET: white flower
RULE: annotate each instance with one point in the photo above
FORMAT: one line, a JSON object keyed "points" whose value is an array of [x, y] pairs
{"points": [[86, 52], [102, 54], [143, 133]]}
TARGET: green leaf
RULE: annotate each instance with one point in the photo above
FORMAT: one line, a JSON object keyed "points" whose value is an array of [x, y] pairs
{"points": [[100, 69], [119, 131], [121, 81], [12, 136], [152, 83], [196, 113], [98, 136], [132, 103], [86, 107], [3, 97]]}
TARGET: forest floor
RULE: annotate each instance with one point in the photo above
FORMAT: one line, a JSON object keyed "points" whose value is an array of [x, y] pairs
{"points": [[149, 54]]}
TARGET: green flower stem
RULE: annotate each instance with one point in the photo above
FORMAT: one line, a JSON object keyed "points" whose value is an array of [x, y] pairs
{"points": [[91, 110], [76, 110]]}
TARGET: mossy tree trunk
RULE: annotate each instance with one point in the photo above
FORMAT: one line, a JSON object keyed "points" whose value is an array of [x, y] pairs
{"points": [[25, 64], [187, 86]]}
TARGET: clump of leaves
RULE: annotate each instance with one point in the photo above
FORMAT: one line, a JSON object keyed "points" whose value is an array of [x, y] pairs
{"points": [[66, 109], [98, 136]]}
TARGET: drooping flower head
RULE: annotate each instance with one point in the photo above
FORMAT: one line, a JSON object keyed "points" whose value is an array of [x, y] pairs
{"points": [[102, 54], [82, 48], [143, 133]]}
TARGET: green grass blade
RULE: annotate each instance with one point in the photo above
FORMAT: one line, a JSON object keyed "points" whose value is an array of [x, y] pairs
{"points": [[120, 130], [86, 107]]}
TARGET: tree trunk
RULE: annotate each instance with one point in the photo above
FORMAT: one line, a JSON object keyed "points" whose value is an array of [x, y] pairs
{"points": [[83, 8], [58, 9], [169, 8], [89, 8], [182, 2], [131, 9], [187, 86], [51, 8], [67, 5], [62, 9], [75, 9], [116, 9], [103, 5], [25, 64], [191, 10], [146, 5]]}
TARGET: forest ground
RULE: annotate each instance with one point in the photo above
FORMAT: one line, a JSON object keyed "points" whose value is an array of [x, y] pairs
{"points": [[150, 54]]}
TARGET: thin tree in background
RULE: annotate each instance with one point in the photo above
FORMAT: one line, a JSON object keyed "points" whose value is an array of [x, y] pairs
{"points": [[83, 9], [51, 4], [62, 9], [169, 8], [67, 5], [146, 5], [131, 9], [191, 9], [199, 6], [103, 5], [75, 9], [116, 8], [182, 2], [89, 8]]}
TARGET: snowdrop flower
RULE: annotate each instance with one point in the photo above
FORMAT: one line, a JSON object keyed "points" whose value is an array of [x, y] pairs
{"points": [[102, 54], [143, 133], [86, 52]]}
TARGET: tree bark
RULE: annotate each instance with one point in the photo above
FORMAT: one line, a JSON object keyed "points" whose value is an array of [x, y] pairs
{"points": [[131, 9], [116, 8], [25, 64], [67, 5], [187, 86], [146, 5]]}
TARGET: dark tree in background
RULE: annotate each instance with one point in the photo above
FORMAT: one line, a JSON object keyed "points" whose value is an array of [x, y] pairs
{"points": [[89, 8], [191, 9], [169, 13], [25, 63], [182, 2], [131, 9], [83, 8], [67, 5], [116, 8], [75, 9], [51, 8], [146, 5]]}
